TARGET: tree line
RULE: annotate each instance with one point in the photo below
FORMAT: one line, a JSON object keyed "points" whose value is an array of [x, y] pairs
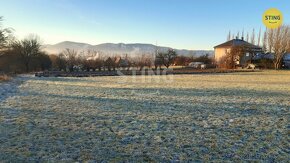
{"points": [[21, 56], [25, 55]]}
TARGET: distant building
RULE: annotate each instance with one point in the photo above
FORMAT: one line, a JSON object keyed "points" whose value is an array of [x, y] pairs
{"points": [[223, 49], [122, 62], [196, 64]]}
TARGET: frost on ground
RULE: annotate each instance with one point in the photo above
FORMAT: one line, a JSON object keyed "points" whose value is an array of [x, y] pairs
{"points": [[230, 117], [10, 88]]}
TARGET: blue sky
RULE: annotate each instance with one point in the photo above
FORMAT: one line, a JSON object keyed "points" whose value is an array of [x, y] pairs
{"points": [[184, 24]]}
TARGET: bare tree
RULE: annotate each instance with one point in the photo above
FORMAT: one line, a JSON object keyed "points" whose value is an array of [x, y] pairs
{"points": [[5, 36], [99, 64], [278, 43], [259, 37], [143, 61], [71, 58], [27, 49], [168, 57], [253, 37], [243, 33], [265, 41], [158, 62], [229, 36], [58, 61], [91, 60], [270, 39], [181, 61], [109, 63]]}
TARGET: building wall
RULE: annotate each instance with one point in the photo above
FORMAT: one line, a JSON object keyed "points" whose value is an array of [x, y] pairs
{"points": [[219, 53]]}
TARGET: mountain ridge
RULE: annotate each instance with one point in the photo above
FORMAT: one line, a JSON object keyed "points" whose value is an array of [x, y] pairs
{"points": [[131, 49]]}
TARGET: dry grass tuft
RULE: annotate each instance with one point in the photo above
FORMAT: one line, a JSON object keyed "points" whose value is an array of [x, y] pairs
{"points": [[4, 78]]}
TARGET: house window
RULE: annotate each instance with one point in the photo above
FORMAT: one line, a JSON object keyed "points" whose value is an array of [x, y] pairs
{"points": [[227, 51]]}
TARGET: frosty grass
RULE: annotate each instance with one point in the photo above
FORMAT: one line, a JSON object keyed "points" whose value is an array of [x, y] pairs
{"points": [[241, 116]]}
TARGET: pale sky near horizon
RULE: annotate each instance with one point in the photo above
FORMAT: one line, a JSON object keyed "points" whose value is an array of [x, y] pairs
{"points": [[183, 24]]}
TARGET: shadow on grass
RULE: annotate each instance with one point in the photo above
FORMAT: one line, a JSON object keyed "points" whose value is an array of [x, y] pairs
{"points": [[179, 100], [10, 88]]}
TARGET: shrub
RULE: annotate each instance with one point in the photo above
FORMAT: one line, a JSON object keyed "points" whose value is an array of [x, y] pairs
{"points": [[4, 78]]}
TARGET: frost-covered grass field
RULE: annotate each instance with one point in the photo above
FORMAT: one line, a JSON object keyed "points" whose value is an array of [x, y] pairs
{"points": [[234, 117]]}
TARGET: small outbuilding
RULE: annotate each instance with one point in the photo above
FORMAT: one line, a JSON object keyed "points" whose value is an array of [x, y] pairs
{"points": [[197, 65]]}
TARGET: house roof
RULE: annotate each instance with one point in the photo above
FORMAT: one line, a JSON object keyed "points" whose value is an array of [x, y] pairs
{"points": [[237, 42]]}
